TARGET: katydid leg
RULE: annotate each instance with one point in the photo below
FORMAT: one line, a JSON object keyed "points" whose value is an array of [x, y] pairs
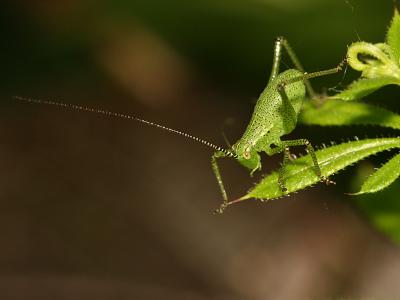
{"points": [[218, 176], [297, 64], [310, 149]]}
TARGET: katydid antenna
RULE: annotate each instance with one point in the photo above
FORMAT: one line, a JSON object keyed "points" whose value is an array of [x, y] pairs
{"points": [[125, 116]]}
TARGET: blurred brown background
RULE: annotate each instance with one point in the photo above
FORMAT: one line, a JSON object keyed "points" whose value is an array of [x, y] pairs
{"points": [[98, 208]]}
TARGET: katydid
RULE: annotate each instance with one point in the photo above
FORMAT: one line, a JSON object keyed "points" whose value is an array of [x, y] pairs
{"points": [[275, 114]]}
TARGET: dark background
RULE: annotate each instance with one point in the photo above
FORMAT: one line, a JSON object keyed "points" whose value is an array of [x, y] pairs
{"points": [[99, 208]]}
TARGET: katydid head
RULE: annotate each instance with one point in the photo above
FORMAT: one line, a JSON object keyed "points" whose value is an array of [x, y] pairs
{"points": [[247, 156]]}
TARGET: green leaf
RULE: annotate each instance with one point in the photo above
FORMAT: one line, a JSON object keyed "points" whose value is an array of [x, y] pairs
{"points": [[393, 36], [363, 87], [382, 178], [300, 173], [338, 112]]}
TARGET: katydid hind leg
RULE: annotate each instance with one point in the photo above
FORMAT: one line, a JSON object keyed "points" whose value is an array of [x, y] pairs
{"points": [[288, 112], [277, 59], [306, 76], [297, 64]]}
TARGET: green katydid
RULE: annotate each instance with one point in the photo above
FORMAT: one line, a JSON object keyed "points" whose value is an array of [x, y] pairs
{"points": [[275, 115]]}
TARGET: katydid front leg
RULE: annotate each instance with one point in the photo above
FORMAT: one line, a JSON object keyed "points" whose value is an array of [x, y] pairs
{"points": [[217, 174]]}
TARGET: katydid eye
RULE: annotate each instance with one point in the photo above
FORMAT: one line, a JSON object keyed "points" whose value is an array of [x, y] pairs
{"points": [[246, 153]]}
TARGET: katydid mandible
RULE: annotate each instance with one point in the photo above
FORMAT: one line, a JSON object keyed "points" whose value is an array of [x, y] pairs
{"points": [[275, 114]]}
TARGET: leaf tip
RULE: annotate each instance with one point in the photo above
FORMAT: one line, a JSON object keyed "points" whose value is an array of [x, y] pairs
{"points": [[395, 8]]}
